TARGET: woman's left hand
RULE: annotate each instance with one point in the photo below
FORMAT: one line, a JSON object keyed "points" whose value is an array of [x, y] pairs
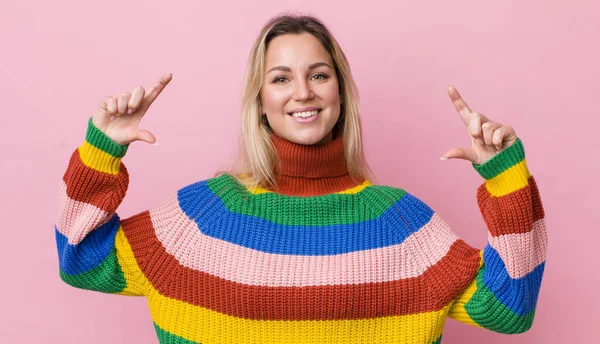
{"points": [[488, 138]]}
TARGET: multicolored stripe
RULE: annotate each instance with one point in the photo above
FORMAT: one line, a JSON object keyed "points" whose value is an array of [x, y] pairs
{"points": [[86, 226], [504, 294], [219, 262]]}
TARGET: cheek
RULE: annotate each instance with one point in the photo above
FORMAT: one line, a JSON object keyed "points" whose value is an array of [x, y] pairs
{"points": [[273, 100], [331, 93]]}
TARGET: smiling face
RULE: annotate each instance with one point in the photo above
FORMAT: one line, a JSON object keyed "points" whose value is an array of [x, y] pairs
{"points": [[300, 92]]}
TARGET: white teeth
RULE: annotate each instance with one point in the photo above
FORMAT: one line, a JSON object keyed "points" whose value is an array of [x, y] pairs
{"points": [[305, 114]]}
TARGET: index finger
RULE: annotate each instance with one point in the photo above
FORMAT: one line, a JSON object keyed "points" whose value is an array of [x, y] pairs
{"points": [[461, 106], [163, 81]]}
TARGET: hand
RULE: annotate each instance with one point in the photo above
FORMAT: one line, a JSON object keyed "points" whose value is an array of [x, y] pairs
{"points": [[488, 138], [119, 117]]}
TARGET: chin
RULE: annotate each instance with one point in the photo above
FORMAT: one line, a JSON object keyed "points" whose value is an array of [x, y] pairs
{"points": [[310, 139]]}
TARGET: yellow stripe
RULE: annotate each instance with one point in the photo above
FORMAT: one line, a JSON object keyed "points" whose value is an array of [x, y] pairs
{"points": [[458, 311], [254, 190], [202, 325], [133, 275], [98, 159], [509, 181], [354, 190], [257, 190]]}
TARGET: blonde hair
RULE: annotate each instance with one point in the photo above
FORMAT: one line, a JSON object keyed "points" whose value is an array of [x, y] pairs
{"points": [[258, 161]]}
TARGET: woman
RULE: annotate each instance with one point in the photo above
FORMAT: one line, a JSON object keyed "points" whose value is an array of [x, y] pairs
{"points": [[298, 245]]}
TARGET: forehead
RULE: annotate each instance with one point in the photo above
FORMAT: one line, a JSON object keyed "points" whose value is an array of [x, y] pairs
{"points": [[295, 49]]}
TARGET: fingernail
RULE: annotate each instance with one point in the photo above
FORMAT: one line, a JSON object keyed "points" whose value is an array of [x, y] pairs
{"points": [[130, 111], [443, 158], [155, 143], [480, 141]]}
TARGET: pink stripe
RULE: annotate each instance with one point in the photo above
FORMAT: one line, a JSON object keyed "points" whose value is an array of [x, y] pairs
{"points": [[195, 250], [523, 252], [76, 219]]}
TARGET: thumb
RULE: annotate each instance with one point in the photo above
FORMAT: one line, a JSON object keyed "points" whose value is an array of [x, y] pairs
{"points": [[146, 136], [460, 153]]}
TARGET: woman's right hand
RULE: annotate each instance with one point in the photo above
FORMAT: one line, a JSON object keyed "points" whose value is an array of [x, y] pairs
{"points": [[119, 117]]}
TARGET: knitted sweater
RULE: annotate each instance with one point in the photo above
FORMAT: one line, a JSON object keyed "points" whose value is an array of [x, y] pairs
{"points": [[323, 259]]}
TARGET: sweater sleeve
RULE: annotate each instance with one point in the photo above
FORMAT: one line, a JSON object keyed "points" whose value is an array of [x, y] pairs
{"points": [[93, 250], [503, 295]]}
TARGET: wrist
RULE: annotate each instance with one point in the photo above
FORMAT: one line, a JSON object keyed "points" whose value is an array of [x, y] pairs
{"points": [[100, 152], [505, 172]]}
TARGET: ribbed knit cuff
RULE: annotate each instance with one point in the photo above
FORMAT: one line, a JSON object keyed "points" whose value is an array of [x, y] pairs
{"points": [[100, 140], [504, 160], [100, 152]]}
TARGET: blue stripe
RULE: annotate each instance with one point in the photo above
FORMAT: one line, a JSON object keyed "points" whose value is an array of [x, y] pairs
{"points": [[90, 252], [520, 294], [214, 219]]}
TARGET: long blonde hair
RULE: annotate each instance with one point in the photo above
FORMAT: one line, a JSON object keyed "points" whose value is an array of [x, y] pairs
{"points": [[258, 157]]}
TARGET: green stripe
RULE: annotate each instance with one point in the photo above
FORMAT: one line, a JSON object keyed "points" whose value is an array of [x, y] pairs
{"points": [[99, 140], [329, 209], [485, 309], [502, 161], [168, 337], [106, 277]]}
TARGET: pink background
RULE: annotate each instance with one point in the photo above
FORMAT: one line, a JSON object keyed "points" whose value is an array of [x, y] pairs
{"points": [[531, 64]]}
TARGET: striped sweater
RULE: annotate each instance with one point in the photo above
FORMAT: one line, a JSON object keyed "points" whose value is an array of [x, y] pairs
{"points": [[322, 259]]}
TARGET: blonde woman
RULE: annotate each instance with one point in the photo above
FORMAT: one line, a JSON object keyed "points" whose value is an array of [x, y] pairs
{"points": [[298, 244]]}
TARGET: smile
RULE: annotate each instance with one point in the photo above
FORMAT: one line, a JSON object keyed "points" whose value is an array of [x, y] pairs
{"points": [[306, 116]]}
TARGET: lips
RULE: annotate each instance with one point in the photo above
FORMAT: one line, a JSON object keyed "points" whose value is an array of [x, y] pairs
{"points": [[313, 116]]}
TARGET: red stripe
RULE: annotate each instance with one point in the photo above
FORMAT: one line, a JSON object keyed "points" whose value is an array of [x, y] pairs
{"points": [[103, 190], [295, 186], [512, 213], [432, 291]]}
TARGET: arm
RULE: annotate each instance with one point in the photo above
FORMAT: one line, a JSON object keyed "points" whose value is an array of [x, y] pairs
{"points": [[503, 295], [93, 251]]}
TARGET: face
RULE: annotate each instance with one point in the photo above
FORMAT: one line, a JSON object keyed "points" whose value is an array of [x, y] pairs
{"points": [[300, 92]]}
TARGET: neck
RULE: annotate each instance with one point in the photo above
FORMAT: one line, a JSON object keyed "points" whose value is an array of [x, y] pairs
{"points": [[312, 170]]}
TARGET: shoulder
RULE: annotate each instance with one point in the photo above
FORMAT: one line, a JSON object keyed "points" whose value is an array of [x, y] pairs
{"points": [[407, 216], [399, 208], [385, 195], [201, 194], [207, 189]]}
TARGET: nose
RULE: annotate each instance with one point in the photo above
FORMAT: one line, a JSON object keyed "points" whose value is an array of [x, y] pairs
{"points": [[302, 91]]}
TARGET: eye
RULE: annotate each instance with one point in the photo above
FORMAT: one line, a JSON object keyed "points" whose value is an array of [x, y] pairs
{"points": [[279, 79], [321, 75]]}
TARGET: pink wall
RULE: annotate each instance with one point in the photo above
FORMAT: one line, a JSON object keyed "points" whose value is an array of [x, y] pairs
{"points": [[530, 64]]}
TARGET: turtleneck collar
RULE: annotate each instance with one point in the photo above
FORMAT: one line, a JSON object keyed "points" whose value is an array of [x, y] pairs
{"points": [[312, 170]]}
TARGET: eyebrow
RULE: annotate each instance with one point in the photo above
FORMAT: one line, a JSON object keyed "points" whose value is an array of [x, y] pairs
{"points": [[288, 69]]}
